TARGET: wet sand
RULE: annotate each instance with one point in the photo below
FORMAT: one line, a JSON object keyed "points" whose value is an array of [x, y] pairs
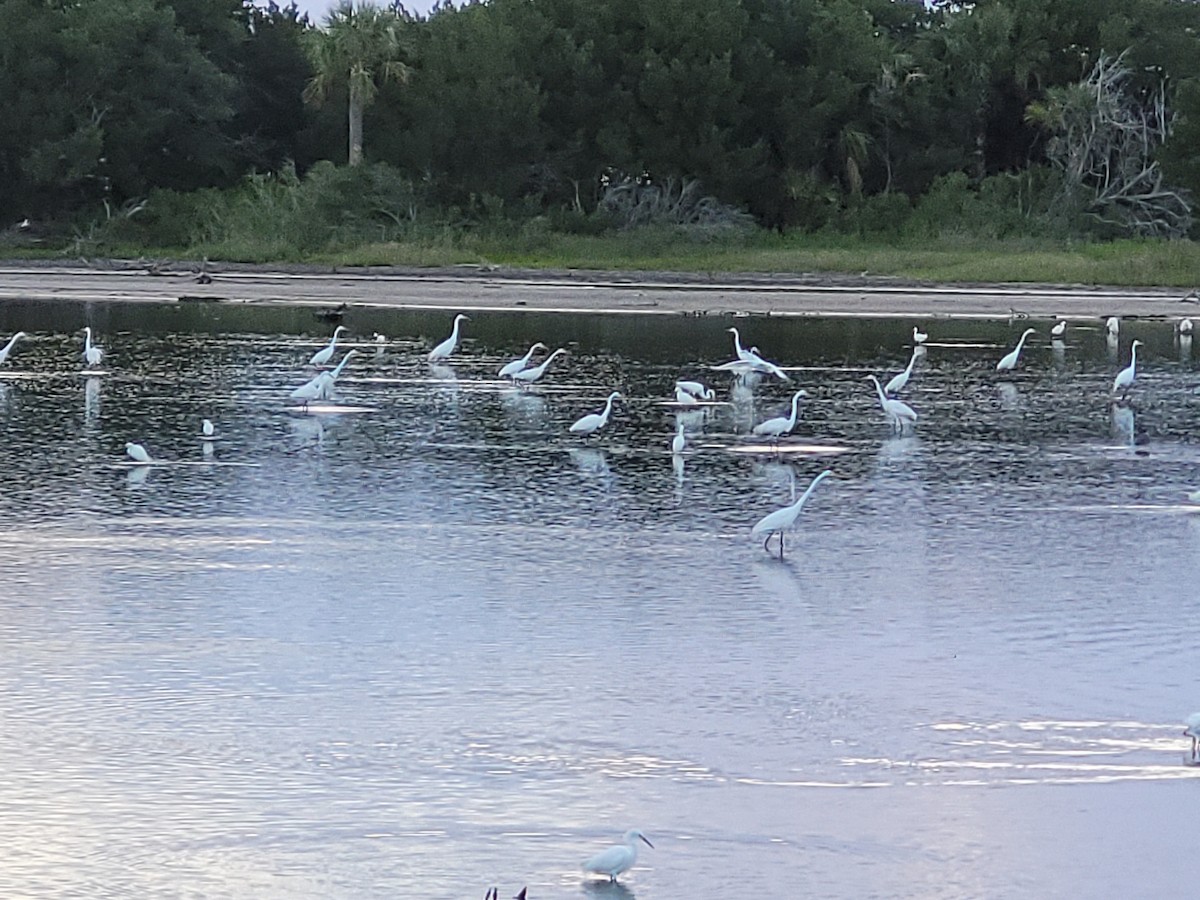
{"points": [[478, 288]]}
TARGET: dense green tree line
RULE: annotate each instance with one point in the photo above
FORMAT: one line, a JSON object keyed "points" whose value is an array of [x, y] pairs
{"points": [[797, 111]]}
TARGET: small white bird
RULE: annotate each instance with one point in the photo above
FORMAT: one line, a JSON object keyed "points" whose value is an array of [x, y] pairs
{"points": [[696, 389], [137, 452], [1009, 361], [521, 363], [207, 429], [1113, 326], [448, 346], [1059, 329], [325, 354], [679, 442], [8, 348], [533, 373], [592, 423], [1125, 377], [919, 337], [1193, 731], [898, 412], [379, 338], [615, 860], [1185, 327], [778, 427], [91, 353], [782, 519], [899, 381]]}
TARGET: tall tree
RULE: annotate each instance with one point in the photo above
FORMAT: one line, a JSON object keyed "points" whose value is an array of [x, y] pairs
{"points": [[362, 46]]}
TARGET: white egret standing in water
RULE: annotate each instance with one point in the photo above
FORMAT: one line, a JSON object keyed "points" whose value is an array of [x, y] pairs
{"points": [[1185, 327], [207, 428], [325, 354], [8, 348], [521, 363], [592, 423], [778, 427], [1125, 377], [919, 337], [679, 442], [783, 519], [91, 353], [1112, 326], [737, 345], [615, 860], [1193, 731], [1059, 328], [137, 452], [1009, 361], [899, 381], [533, 373], [898, 412], [448, 346], [695, 389]]}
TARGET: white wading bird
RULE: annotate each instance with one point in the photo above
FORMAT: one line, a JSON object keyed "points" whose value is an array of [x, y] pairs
{"points": [[899, 381], [1113, 326], [137, 452], [919, 337], [778, 427], [1125, 377], [1185, 327], [592, 423], [1009, 361], [325, 354], [898, 412], [615, 860], [91, 353], [207, 429], [532, 374], [321, 387], [695, 389], [446, 347], [782, 519], [518, 365], [8, 348], [679, 442], [1059, 329]]}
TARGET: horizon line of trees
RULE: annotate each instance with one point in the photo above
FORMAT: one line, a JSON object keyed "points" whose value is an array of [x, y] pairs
{"points": [[788, 110]]}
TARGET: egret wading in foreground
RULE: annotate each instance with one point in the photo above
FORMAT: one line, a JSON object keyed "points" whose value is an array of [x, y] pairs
{"points": [[1125, 377], [1193, 731], [448, 346], [590, 424], [898, 382], [679, 442], [1009, 361], [615, 860], [532, 374], [782, 519], [522, 363], [8, 348], [91, 353], [1059, 329], [919, 337], [325, 354], [778, 427], [898, 412], [137, 452]]}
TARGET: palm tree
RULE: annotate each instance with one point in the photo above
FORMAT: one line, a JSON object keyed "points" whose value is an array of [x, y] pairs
{"points": [[362, 45]]}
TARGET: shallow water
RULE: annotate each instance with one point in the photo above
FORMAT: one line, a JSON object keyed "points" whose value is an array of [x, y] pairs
{"points": [[437, 643]]}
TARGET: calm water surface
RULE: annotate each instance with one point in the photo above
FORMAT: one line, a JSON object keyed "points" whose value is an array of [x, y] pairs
{"points": [[435, 643]]}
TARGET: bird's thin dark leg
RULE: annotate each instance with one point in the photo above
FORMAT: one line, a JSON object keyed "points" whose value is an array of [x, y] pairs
{"points": [[781, 545], [767, 542]]}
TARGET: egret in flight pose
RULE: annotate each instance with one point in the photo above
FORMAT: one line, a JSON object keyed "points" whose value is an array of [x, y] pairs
{"points": [[8, 348], [778, 427], [137, 452], [325, 354], [1193, 731], [522, 363], [898, 412], [446, 347], [590, 424], [1125, 377], [782, 519], [530, 375], [1009, 361], [758, 364], [615, 860], [899, 381], [91, 353]]}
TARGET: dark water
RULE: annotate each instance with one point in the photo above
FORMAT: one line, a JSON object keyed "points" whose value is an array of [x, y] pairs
{"points": [[436, 643]]}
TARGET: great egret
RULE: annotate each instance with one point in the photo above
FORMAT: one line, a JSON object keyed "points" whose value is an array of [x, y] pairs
{"points": [[446, 347], [777, 427], [737, 345], [137, 452], [590, 424], [325, 354], [530, 375], [1193, 731], [1113, 326], [1185, 327], [1059, 329], [919, 337], [1125, 377], [1009, 361], [684, 398], [615, 860], [899, 381], [91, 353], [8, 348], [898, 412], [782, 519], [521, 363], [696, 389], [679, 442], [321, 387], [207, 429]]}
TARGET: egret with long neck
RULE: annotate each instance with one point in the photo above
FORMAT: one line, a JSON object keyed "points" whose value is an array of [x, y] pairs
{"points": [[1009, 361], [448, 346], [898, 412], [592, 423], [783, 519], [8, 348]]}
